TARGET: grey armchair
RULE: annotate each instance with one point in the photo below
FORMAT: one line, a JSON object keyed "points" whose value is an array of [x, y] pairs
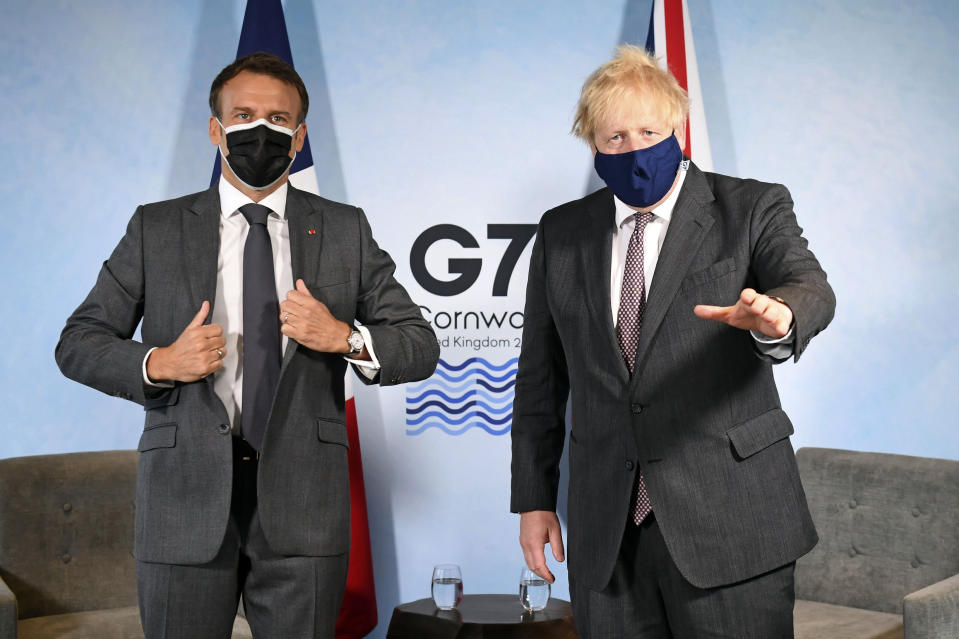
{"points": [[66, 547], [887, 562]]}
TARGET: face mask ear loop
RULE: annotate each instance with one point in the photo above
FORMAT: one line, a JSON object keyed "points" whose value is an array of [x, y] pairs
{"points": [[219, 147], [293, 144], [222, 128], [293, 148], [683, 163]]}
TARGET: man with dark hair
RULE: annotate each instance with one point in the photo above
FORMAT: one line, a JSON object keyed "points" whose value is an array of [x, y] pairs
{"points": [[263, 64], [249, 295]]}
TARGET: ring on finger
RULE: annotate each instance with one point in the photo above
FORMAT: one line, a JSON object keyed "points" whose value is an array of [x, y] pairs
{"points": [[286, 318], [219, 353]]}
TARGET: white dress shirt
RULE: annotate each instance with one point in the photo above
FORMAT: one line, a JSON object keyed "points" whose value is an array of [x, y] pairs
{"points": [[228, 305], [653, 237]]}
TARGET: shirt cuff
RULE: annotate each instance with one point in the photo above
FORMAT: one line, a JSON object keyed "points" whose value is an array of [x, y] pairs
{"points": [[778, 348], [369, 368], [146, 378]]}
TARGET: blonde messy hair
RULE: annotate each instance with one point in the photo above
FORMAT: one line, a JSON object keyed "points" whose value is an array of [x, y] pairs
{"points": [[632, 75]]}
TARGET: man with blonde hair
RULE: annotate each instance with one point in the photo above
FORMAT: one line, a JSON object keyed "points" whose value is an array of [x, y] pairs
{"points": [[660, 304]]}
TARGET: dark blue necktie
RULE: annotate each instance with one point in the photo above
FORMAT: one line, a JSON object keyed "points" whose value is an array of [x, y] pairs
{"points": [[261, 326]]}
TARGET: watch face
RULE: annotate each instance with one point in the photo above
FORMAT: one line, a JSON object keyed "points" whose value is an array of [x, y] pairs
{"points": [[356, 341]]}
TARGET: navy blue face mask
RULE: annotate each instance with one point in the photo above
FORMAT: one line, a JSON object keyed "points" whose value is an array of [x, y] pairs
{"points": [[642, 177]]}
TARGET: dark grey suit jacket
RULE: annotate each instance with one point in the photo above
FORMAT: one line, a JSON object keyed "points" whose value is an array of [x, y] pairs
{"points": [[700, 415], [161, 272]]}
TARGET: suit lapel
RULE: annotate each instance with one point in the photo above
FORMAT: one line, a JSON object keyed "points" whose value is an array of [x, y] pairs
{"points": [[305, 225], [201, 240], [690, 222], [598, 251]]}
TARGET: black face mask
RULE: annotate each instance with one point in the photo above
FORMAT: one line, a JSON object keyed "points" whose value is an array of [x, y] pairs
{"points": [[259, 152]]}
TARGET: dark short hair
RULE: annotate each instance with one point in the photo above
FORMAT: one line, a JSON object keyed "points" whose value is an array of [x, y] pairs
{"points": [[265, 64]]}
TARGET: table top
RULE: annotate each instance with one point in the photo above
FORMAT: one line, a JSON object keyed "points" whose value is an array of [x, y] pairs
{"points": [[423, 620]]}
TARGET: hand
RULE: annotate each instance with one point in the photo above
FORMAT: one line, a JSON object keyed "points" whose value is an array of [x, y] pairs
{"points": [[308, 321], [753, 312], [536, 529], [196, 353]]}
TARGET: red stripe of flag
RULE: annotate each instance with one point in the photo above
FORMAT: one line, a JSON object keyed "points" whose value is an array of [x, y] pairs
{"points": [[676, 50], [358, 613]]}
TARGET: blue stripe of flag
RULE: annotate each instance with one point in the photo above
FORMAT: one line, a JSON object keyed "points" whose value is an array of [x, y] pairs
{"points": [[651, 34]]}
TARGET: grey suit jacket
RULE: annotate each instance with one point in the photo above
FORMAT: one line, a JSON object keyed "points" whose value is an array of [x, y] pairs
{"points": [[161, 272], [700, 415]]}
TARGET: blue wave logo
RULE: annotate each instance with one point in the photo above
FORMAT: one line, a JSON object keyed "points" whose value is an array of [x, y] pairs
{"points": [[473, 394]]}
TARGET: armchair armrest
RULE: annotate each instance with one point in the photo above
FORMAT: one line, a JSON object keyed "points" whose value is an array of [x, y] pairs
{"points": [[8, 612], [932, 611]]}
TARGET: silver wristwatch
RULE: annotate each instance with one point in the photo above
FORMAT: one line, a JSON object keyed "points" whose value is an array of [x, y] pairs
{"points": [[355, 340]]}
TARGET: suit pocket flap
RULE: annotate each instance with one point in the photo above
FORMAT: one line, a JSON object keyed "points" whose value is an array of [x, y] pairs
{"points": [[751, 436], [711, 272], [169, 398], [159, 436], [332, 278], [332, 431]]}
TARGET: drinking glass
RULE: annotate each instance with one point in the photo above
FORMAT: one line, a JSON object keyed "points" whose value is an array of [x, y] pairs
{"points": [[533, 590], [447, 586]]}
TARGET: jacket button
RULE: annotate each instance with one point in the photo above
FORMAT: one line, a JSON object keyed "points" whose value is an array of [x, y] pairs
{"points": [[223, 429], [66, 558], [629, 464], [636, 408], [67, 507]]}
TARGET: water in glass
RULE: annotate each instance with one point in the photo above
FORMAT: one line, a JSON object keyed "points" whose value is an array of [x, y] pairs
{"points": [[533, 591], [447, 592], [447, 587]]}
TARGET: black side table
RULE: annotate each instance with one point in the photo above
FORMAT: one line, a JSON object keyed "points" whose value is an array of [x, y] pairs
{"points": [[482, 617]]}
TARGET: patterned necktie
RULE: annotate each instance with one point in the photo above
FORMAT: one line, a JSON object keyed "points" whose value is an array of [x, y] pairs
{"points": [[261, 326], [631, 308]]}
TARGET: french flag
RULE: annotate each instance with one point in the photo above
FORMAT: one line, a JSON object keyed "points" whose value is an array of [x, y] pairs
{"points": [[264, 29], [670, 39]]}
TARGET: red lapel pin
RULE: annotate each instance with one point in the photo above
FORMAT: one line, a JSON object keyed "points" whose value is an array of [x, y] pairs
{"points": [[312, 231]]}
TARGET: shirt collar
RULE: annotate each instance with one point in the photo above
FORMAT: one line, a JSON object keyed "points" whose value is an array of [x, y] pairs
{"points": [[231, 199], [664, 210]]}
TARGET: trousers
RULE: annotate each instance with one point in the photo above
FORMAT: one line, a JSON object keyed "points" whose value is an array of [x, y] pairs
{"points": [[648, 598], [283, 596]]}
